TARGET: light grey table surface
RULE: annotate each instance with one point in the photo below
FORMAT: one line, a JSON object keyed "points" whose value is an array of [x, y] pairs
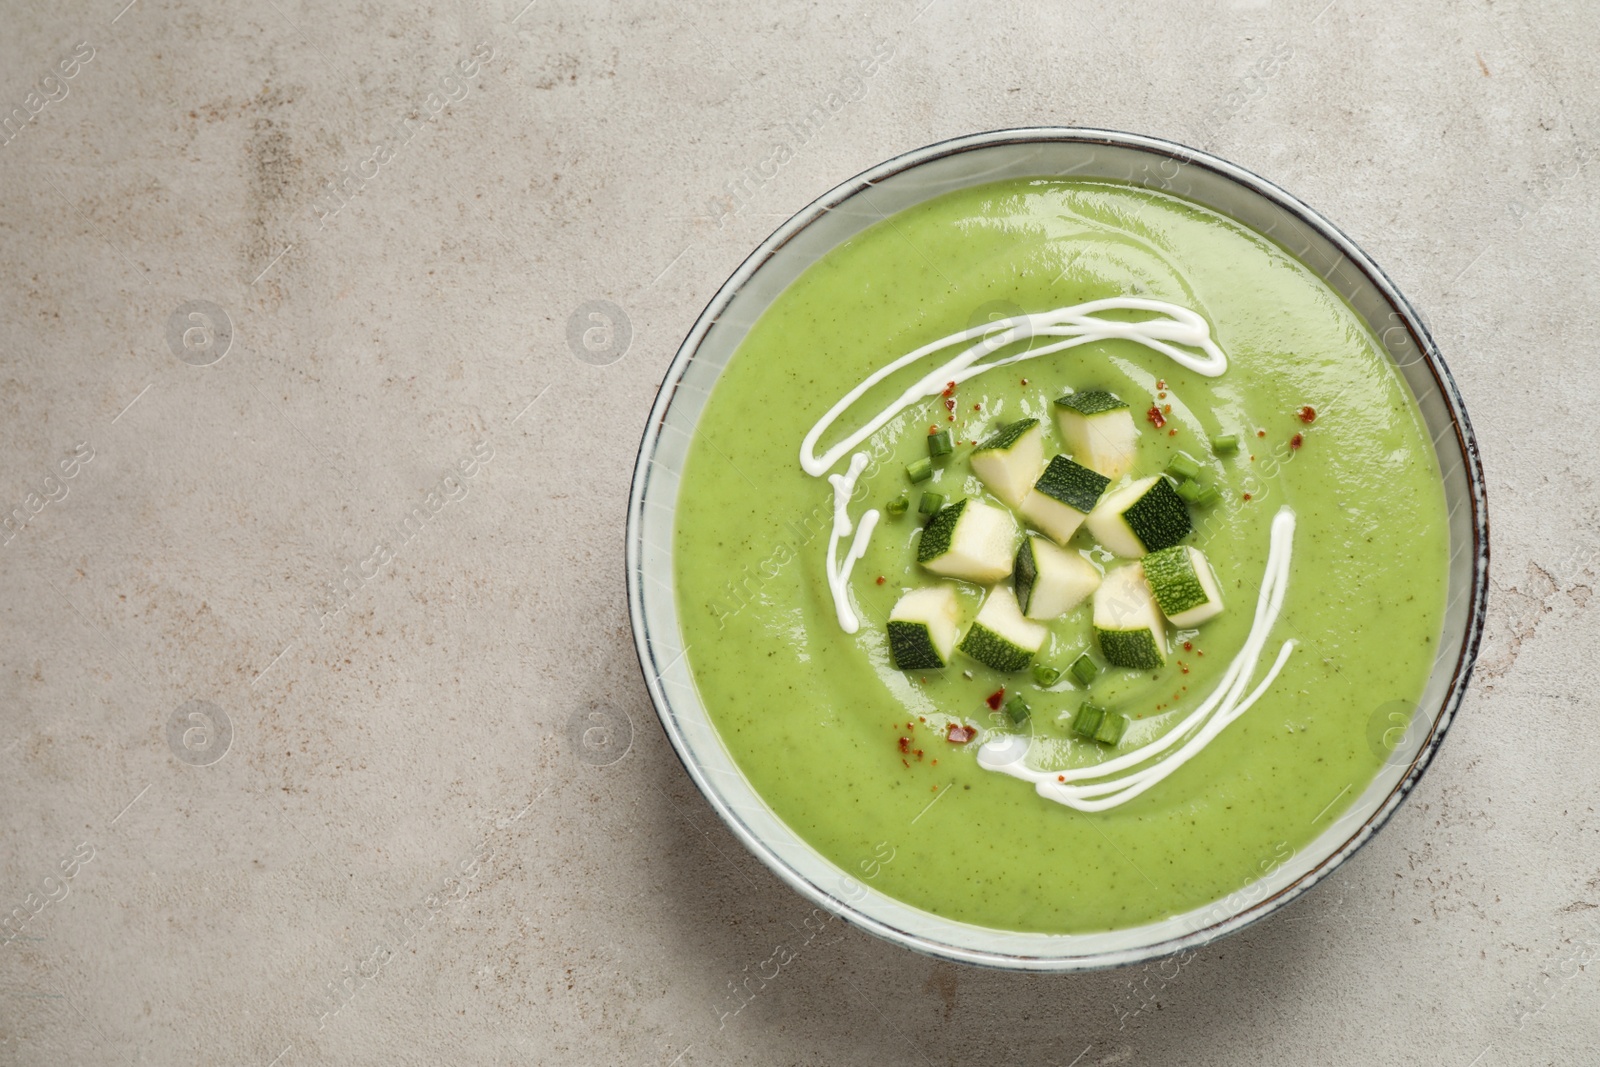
{"points": [[235, 888]]}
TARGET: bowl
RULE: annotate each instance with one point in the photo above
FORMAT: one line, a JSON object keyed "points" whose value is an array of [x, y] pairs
{"points": [[1409, 736]]}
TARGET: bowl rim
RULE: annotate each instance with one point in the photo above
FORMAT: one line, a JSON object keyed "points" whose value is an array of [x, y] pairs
{"points": [[1421, 337]]}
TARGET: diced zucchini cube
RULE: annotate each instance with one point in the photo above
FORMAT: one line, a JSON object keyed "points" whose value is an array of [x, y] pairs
{"points": [[1062, 497], [1008, 460], [1127, 622], [1142, 516], [1099, 430], [923, 627], [1000, 638], [1184, 585], [970, 540], [1051, 581]]}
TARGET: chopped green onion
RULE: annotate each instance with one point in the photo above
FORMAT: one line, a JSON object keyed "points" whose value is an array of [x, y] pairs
{"points": [[1087, 720], [1084, 670], [1195, 493], [1112, 726], [1183, 467], [1225, 444], [1017, 708], [1044, 677], [931, 503], [898, 506], [940, 444], [919, 470]]}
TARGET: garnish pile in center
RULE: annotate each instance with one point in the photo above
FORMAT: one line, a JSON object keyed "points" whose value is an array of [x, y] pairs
{"points": [[1141, 576]]}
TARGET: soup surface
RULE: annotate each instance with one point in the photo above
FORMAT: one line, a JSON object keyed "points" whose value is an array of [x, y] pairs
{"points": [[855, 755]]}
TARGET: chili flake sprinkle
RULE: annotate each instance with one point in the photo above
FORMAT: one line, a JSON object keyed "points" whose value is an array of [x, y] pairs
{"points": [[995, 698], [1247, 496], [1297, 440], [1308, 414], [949, 404], [1157, 419], [880, 579], [959, 734]]}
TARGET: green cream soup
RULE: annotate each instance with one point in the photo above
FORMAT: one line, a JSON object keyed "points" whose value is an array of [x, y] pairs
{"points": [[855, 756]]}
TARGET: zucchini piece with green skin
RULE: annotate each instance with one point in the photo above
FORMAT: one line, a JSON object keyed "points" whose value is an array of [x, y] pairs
{"points": [[1000, 638], [1008, 460], [1062, 497], [923, 627], [970, 540], [1143, 516], [1099, 431], [1184, 585], [1051, 581], [1127, 622]]}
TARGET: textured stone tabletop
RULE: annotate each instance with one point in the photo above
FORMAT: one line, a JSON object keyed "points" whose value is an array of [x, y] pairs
{"points": [[322, 737]]}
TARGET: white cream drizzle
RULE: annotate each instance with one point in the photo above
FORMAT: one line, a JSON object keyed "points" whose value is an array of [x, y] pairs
{"points": [[1077, 324], [844, 485], [1103, 786]]}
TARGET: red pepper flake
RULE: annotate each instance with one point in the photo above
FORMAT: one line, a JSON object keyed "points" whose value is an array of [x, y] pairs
{"points": [[952, 418], [903, 763], [934, 762], [1172, 433], [905, 745], [1297, 440], [1161, 396], [1161, 383], [1183, 666], [1188, 646], [959, 734], [932, 430], [1308, 414], [950, 389], [1166, 409], [1157, 419], [977, 407], [919, 753], [922, 720], [1024, 381], [1247, 496], [1200, 653], [995, 698], [1261, 433], [1061, 777], [949, 405], [880, 579]]}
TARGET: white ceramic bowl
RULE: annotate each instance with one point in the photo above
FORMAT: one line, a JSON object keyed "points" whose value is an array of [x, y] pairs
{"points": [[898, 184]]}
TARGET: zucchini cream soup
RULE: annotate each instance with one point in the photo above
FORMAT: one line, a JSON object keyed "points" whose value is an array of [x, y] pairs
{"points": [[1063, 536]]}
